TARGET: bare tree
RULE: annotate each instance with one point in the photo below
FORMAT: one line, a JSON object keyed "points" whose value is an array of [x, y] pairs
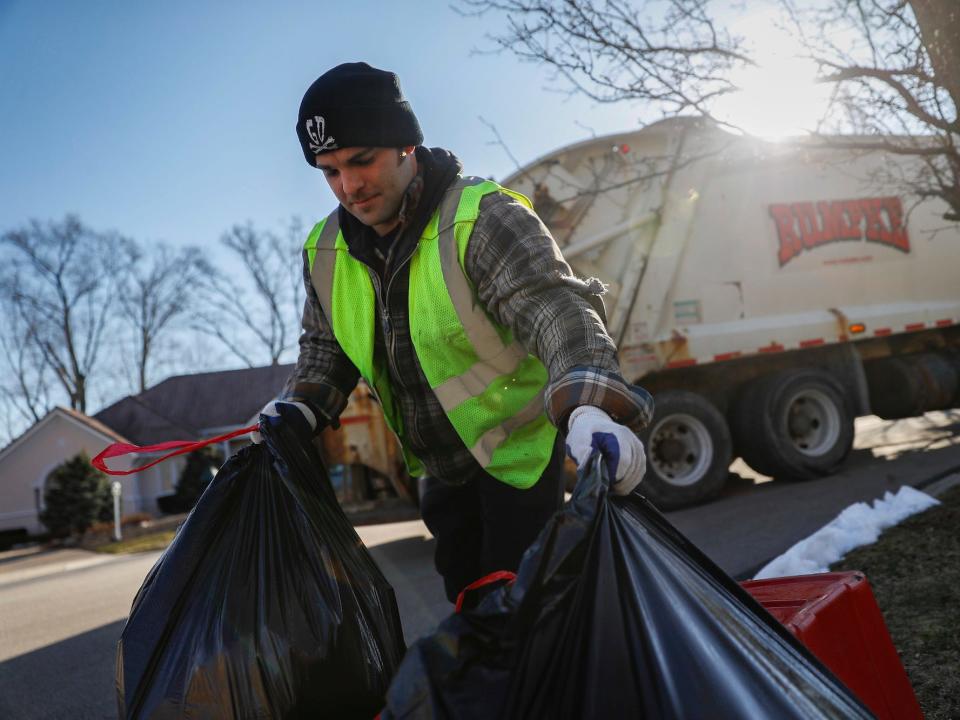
{"points": [[263, 301], [939, 24], [160, 289], [672, 53], [894, 66], [25, 379], [61, 279]]}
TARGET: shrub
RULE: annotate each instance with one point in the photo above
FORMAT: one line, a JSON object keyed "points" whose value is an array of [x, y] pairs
{"points": [[9, 538], [171, 504], [201, 466], [77, 495]]}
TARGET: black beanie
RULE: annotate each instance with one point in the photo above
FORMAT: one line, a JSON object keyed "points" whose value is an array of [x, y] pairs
{"points": [[355, 105]]}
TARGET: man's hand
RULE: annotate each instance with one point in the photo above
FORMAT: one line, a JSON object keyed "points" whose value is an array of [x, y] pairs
{"points": [[591, 429], [271, 409]]}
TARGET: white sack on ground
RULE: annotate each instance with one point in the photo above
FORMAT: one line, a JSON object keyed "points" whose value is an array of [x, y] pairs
{"points": [[859, 524]]}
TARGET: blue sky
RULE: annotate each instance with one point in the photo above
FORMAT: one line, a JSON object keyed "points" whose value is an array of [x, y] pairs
{"points": [[171, 121]]}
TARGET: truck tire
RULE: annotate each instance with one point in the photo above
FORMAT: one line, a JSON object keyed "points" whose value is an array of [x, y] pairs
{"points": [[795, 424], [896, 388], [688, 451], [940, 379]]}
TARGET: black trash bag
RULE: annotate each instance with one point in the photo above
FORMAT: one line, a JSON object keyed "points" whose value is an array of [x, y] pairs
{"points": [[266, 604], [615, 614]]}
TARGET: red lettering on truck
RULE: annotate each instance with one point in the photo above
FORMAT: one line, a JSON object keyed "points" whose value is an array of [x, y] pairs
{"points": [[898, 231], [851, 209], [810, 228], [790, 243], [804, 226]]}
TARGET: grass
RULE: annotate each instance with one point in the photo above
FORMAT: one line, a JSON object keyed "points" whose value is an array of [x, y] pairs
{"points": [[914, 570], [144, 543]]}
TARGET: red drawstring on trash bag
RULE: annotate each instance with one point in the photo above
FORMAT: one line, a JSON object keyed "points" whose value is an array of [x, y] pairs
{"points": [[493, 577], [179, 447]]}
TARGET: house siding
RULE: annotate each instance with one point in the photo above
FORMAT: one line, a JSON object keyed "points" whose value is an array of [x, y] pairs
{"points": [[26, 466]]}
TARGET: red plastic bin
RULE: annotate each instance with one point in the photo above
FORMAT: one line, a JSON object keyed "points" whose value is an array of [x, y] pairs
{"points": [[837, 618]]}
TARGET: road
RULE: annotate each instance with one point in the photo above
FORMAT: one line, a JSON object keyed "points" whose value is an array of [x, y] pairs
{"points": [[60, 616], [58, 636], [756, 520]]}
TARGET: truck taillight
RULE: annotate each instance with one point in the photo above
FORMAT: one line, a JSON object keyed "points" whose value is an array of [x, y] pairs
{"points": [[856, 328]]}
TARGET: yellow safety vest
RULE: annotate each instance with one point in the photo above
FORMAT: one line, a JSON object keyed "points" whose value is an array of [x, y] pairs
{"points": [[489, 386]]}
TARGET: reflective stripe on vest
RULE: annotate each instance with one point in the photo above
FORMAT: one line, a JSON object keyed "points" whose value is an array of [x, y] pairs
{"points": [[489, 386]]}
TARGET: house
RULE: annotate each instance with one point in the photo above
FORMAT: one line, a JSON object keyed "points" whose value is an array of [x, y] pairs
{"points": [[26, 463], [185, 407]]}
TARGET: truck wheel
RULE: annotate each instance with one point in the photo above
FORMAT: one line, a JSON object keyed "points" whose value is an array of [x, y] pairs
{"points": [[688, 451], [795, 424], [896, 388], [910, 385]]}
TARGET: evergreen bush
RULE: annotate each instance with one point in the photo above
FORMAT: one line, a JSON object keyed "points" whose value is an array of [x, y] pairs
{"points": [[201, 466], [76, 496]]}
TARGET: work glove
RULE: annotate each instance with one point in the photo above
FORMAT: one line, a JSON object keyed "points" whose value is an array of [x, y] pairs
{"points": [[590, 429], [272, 409]]}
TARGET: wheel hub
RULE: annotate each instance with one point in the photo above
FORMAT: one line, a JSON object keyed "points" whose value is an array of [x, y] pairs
{"points": [[813, 422], [680, 449], [671, 450]]}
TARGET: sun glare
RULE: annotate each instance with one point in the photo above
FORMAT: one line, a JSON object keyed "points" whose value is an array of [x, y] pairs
{"points": [[778, 97]]}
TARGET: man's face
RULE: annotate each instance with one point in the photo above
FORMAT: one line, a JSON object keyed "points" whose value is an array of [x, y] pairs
{"points": [[370, 182]]}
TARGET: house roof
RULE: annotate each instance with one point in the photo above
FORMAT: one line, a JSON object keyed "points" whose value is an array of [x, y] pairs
{"points": [[75, 415], [189, 407], [93, 424]]}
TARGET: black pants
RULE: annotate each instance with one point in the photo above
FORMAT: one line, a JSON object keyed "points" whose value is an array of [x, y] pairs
{"points": [[486, 525]]}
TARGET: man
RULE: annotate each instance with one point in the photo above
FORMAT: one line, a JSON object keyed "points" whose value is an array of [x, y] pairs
{"points": [[450, 298]]}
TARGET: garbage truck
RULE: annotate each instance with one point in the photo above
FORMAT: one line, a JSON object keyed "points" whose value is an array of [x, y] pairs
{"points": [[767, 294]]}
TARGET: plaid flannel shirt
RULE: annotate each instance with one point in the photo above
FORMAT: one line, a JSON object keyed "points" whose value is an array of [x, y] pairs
{"points": [[525, 284]]}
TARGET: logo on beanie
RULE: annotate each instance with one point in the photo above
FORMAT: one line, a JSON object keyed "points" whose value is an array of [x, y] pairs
{"points": [[316, 127]]}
